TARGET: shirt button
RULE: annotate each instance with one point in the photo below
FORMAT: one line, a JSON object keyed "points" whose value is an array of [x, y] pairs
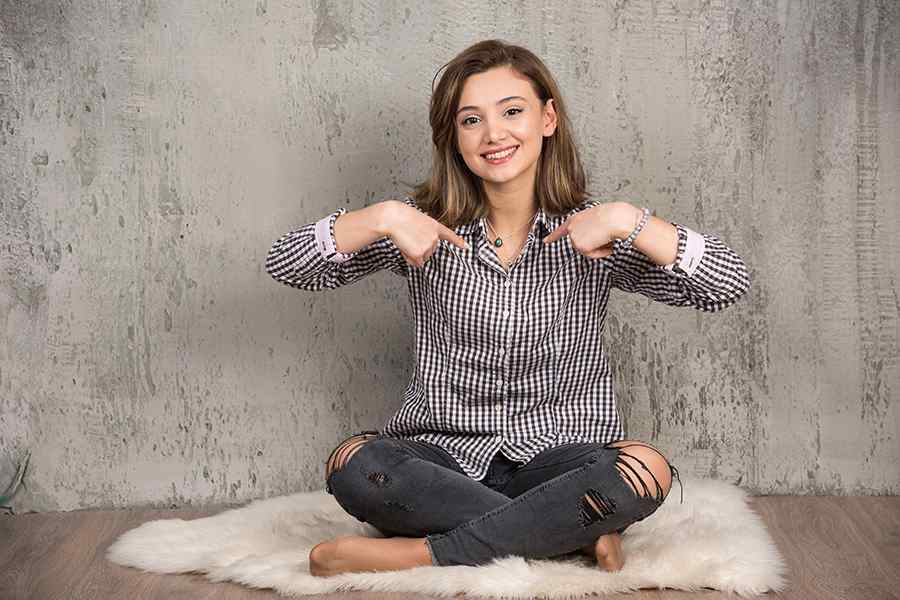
{"points": [[507, 283], [501, 351], [506, 313], [499, 383]]}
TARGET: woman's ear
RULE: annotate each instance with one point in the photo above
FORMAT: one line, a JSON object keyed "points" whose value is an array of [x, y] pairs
{"points": [[549, 117]]}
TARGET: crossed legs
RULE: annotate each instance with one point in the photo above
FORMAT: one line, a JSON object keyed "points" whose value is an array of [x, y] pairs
{"points": [[639, 464], [640, 456]]}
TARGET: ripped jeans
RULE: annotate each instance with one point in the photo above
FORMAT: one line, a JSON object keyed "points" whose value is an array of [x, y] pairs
{"points": [[564, 499]]}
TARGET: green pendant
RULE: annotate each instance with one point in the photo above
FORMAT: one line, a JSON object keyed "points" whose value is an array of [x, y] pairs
{"points": [[498, 242]]}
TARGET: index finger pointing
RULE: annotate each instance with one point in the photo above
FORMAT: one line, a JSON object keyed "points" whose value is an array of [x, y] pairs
{"points": [[452, 237], [557, 233]]}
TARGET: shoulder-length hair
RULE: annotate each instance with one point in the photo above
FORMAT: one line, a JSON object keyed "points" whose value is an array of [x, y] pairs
{"points": [[453, 194]]}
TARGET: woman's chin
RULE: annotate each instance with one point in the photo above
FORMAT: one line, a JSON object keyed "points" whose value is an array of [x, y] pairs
{"points": [[500, 178]]}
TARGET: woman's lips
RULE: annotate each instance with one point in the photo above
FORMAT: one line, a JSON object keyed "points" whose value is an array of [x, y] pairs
{"points": [[502, 160]]}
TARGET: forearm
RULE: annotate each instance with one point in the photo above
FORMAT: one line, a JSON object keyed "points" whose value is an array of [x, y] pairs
{"points": [[709, 275], [356, 229], [658, 240]]}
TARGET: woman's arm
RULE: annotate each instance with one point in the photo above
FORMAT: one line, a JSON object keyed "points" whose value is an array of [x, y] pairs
{"points": [[658, 240], [675, 265], [357, 229], [338, 249]]}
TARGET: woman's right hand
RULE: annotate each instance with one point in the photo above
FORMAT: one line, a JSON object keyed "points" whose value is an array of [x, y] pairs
{"points": [[416, 234]]}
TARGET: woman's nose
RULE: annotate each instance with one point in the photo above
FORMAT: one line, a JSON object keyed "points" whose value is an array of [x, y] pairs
{"points": [[495, 132]]}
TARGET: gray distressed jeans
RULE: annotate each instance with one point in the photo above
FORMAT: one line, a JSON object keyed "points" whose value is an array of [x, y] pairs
{"points": [[540, 509]]}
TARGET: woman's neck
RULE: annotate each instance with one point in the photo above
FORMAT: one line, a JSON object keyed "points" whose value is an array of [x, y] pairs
{"points": [[507, 213]]}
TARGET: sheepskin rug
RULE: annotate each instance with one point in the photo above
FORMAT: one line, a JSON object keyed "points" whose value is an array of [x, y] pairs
{"points": [[713, 540]]}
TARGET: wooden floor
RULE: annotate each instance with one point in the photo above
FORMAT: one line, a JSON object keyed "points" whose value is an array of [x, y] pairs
{"points": [[836, 547]]}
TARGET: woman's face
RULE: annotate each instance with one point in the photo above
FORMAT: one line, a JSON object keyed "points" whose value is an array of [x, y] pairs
{"points": [[498, 109]]}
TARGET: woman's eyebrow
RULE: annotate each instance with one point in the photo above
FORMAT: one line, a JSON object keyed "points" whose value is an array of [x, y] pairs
{"points": [[498, 102]]}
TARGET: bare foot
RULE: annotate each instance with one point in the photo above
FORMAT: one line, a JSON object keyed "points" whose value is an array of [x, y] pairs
{"points": [[354, 554], [608, 551]]}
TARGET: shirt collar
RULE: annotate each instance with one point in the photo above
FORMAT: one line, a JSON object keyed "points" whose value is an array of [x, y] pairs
{"points": [[543, 221]]}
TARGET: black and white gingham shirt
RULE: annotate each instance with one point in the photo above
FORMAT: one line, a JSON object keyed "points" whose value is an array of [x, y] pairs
{"points": [[512, 361]]}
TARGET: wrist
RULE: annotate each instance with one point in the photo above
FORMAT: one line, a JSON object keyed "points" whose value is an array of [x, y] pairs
{"points": [[383, 213], [629, 219]]}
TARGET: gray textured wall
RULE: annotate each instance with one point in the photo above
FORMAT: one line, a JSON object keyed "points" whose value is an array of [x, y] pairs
{"points": [[151, 152]]}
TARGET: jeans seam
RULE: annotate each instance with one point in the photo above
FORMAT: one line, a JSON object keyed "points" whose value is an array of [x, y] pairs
{"points": [[430, 551]]}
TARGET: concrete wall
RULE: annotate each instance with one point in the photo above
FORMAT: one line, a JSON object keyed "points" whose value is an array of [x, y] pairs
{"points": [[152, 151]]}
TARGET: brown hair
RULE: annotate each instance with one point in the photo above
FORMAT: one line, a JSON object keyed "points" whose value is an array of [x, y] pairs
{"points": [[453, 194]]}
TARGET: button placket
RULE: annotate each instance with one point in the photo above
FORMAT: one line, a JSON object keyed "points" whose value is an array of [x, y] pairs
{"points": [[509, 329], [502, 383]]}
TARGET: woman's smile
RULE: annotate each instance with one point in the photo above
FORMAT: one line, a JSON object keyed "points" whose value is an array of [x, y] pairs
{"points": [[504, 156]]}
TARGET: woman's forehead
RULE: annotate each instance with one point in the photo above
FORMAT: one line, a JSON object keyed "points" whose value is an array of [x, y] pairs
{"points": [[494, 85]]}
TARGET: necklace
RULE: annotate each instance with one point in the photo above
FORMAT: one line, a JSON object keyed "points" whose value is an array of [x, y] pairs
{"points": [[499, 242]]}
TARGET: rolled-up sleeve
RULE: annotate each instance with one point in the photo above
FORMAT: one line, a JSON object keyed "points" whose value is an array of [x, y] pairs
{"points": [[307, 257], [325, 241], [706, 273]]}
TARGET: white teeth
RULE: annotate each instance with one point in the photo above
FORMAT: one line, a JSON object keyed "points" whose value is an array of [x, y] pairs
{"points": [[501, 154]]}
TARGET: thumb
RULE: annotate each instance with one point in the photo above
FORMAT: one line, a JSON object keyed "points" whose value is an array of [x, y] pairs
{"points": [[557, 233]]}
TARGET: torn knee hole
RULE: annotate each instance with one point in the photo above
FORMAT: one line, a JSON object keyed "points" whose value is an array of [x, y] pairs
{"points": [[595, 507], [343, 453], [622, 465]]}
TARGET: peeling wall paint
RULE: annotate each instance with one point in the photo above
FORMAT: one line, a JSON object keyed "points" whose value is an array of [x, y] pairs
{"points": [[151, 152]]}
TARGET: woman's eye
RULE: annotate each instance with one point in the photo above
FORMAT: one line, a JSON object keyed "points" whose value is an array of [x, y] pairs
{"points": [[466, 120]]}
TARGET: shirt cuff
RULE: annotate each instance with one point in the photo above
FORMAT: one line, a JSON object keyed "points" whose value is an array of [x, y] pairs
{"points": [[325, 238], [691, 246]]}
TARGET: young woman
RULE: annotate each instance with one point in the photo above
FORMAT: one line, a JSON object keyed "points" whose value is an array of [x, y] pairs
{"points": [[508, 440]]}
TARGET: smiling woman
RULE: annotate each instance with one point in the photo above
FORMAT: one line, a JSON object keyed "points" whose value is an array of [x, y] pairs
{"points": [[508, 133], [503, 141], [510, 411]]}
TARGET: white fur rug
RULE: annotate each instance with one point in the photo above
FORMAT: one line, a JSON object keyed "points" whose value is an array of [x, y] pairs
{"points": [[713, 540]]}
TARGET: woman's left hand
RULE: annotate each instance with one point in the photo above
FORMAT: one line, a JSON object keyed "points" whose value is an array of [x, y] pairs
{"points": [[593, 231]]}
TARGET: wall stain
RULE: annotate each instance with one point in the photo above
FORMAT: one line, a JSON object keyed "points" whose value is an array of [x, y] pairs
{"points": [[329, 32]]}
